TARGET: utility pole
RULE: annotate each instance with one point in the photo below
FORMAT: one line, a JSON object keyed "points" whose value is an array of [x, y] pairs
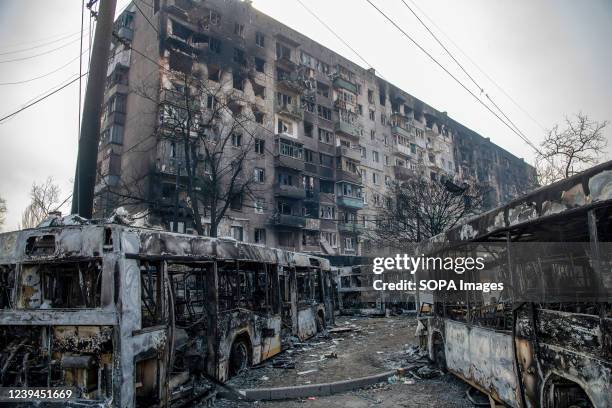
{"points": [[85, 174]]}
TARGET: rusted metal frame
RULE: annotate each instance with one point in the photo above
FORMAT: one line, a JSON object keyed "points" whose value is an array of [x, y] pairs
{"points": [[596, 256], [178, 258], [59, 317], [212, 308], [171, 319], [515, 309], [293, 296], [146, 287]]}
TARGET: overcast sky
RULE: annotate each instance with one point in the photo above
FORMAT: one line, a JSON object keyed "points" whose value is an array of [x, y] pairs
{"points": [[553, 57]]}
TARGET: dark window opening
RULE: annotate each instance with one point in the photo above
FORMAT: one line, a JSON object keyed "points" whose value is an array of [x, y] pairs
{"points": [[150, 294], [260, 64]]}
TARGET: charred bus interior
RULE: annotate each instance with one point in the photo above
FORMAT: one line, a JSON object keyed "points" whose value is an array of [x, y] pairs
{"points": [[102, 309], [545, 340]]}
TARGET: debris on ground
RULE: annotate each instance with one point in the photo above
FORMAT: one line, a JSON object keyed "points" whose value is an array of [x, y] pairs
{"points": [[340, 330], [349, 354], [307, 372]]}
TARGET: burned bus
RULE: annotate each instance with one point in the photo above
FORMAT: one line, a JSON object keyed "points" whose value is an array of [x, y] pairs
{"points": [[130, 316], [545, 339]]}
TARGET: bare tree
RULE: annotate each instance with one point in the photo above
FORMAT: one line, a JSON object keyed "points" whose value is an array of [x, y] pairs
{"points": [[207, 133], [420, 208], [2, 212], [567, 151], [45, 197]]}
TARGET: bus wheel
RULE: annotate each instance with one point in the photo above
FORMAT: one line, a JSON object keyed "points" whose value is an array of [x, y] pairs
{"points": [[239, 357]]}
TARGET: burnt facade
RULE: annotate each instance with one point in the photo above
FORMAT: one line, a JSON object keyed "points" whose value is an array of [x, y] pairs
{"points": [[330, 135]]}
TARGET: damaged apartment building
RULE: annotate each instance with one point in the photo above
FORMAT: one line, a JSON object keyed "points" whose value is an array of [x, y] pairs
{"points": [[326, 136]]}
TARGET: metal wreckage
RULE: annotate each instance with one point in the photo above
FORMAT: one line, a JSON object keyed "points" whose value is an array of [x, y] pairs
{"points": [[546, 340], [139, 317]]}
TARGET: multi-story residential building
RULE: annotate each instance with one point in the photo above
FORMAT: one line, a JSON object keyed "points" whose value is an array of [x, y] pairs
{"points": [[330, 135]]}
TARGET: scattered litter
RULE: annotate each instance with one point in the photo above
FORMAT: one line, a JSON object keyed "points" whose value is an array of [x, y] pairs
{"points": [[408, 381], [341, 329], [265, 378], [312, 398], [286, 364], [331, 355], [307, 372], [380, 352], [426, 372]]}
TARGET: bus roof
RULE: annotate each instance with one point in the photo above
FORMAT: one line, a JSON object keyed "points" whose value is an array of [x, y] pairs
{"points": [[71, 238], [589, 189]]}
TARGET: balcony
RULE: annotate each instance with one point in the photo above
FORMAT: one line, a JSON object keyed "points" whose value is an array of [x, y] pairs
{"points": [[286, 63], [288, 162], [313, 224], [295, 192], [403, 173], [350, 202], [402, 150], [311, 195], [326, 172], [350, 227], [348, 176], [291, 110], [122, 58], [286, 220], [349, 152], [291, 81], [327, 198], [397, 130], [344, 84], [347, 129]]}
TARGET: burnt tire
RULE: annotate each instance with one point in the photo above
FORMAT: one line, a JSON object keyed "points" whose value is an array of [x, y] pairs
{"points": [[239, 357]]}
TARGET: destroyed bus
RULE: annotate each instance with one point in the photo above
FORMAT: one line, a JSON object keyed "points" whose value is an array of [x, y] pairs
{"points": [[545, 339], [130, 316]]}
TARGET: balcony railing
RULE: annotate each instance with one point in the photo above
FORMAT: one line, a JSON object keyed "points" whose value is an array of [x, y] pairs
{"points": [[351, 227], [350, 202], [348, 152], [312, 224], [348, 129], [289, 109], [286, 220], [282, 190], [343, 175], [403, 150], [344, 84], [397, 130], [288, 162]]}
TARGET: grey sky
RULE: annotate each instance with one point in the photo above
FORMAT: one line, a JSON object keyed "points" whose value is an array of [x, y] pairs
{"points": [[552, 56]]}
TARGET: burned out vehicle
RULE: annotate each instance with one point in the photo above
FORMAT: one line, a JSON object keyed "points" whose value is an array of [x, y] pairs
{"points": [[545, 339], [138, 317]]}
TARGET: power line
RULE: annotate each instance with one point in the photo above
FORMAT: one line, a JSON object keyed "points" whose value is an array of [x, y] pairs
{"points": [[44, 75], [42, 53], [38, 46], [145, 16], [499, 87], [453, 76], [46, 39], [336, 35], [481, 88], [41, 99]]}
